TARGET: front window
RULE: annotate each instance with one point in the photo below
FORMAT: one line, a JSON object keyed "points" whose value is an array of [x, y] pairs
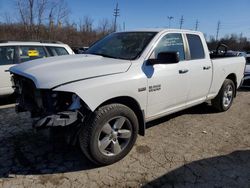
{"points": [[126, 45], [171, 42]]}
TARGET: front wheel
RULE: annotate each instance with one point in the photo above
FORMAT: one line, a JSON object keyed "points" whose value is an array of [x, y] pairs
{"points": [[223, 101], [109, 134]]}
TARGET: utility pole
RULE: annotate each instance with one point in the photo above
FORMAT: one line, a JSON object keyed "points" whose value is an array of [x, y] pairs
{"points": [[181, 22], [116, 14], [51, 24], [124, 26], [218, 30], [196, 25], [169, 21]]}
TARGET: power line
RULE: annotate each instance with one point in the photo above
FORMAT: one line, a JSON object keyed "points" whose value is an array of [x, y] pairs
{"points": [[116, 14], [181, 22], [218, 30]]}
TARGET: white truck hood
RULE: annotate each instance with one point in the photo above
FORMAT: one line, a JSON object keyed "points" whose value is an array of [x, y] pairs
{"points": [[50, 72]]}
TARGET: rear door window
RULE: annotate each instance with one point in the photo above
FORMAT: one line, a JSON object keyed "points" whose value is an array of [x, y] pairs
{"points": [[27, 53], [195, 47], [7, 55], [57, 51]]}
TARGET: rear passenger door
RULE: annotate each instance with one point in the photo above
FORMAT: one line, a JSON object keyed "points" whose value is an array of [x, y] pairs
{"points": [[200, 70]]}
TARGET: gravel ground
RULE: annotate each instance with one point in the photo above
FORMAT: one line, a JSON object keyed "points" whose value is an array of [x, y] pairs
{"points": [[192, 148]]}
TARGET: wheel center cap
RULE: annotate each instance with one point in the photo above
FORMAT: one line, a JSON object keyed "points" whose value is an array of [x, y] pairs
{"points": [[114, 135]]}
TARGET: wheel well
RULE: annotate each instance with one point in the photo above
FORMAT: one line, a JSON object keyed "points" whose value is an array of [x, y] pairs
{"points": [[234, 79], [132, 104]]}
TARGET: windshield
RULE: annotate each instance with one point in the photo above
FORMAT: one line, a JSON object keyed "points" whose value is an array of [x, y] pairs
{"points": [[126, 45]]}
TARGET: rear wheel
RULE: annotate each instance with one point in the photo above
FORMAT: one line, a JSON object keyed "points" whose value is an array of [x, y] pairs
{"points": [[109, 134], [223, 101]]}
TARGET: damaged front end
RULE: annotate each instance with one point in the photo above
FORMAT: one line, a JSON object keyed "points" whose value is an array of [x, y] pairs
{"points": [[48, 108]]}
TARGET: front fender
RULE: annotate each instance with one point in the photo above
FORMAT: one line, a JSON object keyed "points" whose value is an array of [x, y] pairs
{"points": [[96, 91]]}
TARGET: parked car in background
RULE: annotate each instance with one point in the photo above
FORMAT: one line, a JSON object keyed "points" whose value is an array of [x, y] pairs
{"points": [[246, 79], [13, 52]]}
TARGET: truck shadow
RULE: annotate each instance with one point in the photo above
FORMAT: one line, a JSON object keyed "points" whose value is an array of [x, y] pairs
{"points": [[244, 89], [23, 151], [7, 99], [232, 170], [27, 152]]}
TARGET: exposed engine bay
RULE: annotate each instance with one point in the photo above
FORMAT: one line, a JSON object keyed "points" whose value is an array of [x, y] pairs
{"points": [[48, 108]]}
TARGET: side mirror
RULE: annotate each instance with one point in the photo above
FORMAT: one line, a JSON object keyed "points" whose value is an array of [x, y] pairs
{"points": [[165, 58]]}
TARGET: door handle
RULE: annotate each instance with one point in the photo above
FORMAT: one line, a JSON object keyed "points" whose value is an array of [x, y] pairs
{"points": [[183, 71], [206, 67]]}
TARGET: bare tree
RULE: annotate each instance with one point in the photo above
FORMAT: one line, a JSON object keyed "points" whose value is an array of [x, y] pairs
{"points": [[86, 24], [42, 5], [59, 12], [22, 11], [104, 27], [31, 14], [7, 18]]}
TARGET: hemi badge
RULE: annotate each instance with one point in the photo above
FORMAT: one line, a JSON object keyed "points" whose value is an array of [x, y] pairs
{"points": [[142, 89]]}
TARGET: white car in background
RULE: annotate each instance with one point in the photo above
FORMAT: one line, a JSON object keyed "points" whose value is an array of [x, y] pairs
{"points": [[12, 53]]}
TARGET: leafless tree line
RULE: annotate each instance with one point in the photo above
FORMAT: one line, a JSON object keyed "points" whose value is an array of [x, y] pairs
{"points": [[233, 41], [49, 20]]}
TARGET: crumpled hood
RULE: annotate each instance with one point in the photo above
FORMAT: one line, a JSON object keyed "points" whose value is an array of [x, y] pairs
{"points": [[50, 72]]}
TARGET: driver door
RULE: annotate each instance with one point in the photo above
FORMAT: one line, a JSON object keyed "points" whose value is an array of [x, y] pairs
{"points": [[168, 83]]}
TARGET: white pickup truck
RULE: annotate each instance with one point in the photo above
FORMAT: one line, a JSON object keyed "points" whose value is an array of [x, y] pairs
{"points": [[104, 98]]}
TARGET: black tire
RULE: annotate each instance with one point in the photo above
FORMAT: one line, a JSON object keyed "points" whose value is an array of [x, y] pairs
{"points": [[218, 102], [93, 130]]}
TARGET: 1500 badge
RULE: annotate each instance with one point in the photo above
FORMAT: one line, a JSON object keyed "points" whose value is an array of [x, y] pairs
{"points": [[151, 88], [154, 88]]}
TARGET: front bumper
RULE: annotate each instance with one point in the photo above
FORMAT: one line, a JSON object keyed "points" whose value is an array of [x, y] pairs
{"points": [[47, 108], [61, 119]]}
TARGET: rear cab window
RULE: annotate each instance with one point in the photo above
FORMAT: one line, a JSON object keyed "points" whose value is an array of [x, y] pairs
{"points": [[7, 55], [195, 47], [57, 51], [27, 53]]}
